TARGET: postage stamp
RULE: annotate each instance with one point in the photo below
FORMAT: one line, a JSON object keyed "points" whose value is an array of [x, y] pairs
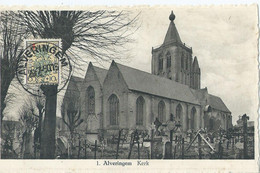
{"points": [[128, 89], [42, 65]]}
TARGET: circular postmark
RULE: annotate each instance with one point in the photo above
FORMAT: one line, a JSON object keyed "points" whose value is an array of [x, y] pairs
{"points": [[43, 63]]}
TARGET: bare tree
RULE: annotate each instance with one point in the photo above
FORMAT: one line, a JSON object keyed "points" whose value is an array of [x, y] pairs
{"points": [[36, 106], [8, 139], [11, 40], [29, 124], [71, 116], [97, 33]]}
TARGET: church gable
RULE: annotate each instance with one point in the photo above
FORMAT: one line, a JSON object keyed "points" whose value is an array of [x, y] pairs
{"points": [[115, 79], [94, 74], [92, 98], [115, 101]]}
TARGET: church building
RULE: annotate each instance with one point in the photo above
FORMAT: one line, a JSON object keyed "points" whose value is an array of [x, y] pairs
{"points": [[123, 97]]}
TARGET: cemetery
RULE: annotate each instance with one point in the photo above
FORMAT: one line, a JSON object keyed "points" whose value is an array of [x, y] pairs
{"points": [[165, 142]]}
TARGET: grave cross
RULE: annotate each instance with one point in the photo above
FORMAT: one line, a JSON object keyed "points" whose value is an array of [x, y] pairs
{"points": [[134, 139], [95, 149], [157, 124], [85, 146], [118, 142], [152, 140]]}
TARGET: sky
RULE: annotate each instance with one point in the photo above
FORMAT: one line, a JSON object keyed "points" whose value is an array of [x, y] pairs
{"points": [[224, 39]]}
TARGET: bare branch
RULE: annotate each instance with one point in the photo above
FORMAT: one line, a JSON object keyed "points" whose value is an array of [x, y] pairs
{"points": [[98, 33], [11, 39]]}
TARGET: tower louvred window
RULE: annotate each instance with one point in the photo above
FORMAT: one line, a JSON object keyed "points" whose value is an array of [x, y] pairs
{"points": [[160, 68], [187, 63], [168, 57], [182, 61]]}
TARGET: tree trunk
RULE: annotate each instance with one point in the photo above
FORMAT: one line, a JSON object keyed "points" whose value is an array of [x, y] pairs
{"points": [[49, 125]]}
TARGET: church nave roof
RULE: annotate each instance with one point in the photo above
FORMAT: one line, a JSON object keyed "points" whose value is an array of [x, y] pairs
{"points": [[151, 84]]}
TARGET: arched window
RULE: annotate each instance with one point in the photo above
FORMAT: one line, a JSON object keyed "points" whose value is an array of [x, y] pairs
{"points": [[179, 113], [169, 59], [113, 109], [161, 111], [91, 100], [160, 68], [140, 110], [193, 119]]}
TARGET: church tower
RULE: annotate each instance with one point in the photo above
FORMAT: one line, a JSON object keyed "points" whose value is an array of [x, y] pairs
{"points": [[173, 59]]}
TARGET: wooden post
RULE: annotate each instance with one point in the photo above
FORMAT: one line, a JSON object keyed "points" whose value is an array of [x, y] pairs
{"points": [[131, 146], [190, 136], [175, 147], [95, 156], [152, 135], [138, 149], [79, 150], [182, 148], [68, 151], [245, 118], [232, 144], [220, 150], [118, 143], [174, 154], [171, 136], [85, 148], [129, 154], [199, 146]]}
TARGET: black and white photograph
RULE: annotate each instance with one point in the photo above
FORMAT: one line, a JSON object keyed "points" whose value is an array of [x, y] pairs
{"points": [[129, 86]]}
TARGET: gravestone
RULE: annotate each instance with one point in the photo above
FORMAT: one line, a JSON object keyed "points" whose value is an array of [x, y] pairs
{"points": [[157, 148], [168, 150], [93, 123]]}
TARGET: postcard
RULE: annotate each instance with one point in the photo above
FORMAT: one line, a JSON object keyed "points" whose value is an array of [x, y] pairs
{"points": [[129, 89]]}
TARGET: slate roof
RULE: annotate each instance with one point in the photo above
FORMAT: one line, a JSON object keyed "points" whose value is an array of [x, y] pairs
{"points": [[148, 83], [76, 80], [172, 34], [208, 99], [217, 103], [74, 85]]}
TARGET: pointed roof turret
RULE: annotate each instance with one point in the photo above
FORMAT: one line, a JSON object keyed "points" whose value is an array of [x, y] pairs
{"points": [[172, 34], [195, 65]]}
